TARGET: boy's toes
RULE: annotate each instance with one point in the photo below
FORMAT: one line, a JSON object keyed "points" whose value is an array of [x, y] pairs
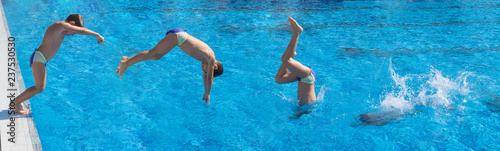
{"points": [[25, 111]]}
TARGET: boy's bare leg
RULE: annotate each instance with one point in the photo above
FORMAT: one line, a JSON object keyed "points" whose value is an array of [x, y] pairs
{"points": [[292, 45], [294, 66], [297, 68], [281, 72], [283, 76], [163, 47], [40, 76]]}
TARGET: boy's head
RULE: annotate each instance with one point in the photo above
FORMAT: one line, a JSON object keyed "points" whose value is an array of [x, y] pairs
{"points": [[219, 69], [75, 19]]}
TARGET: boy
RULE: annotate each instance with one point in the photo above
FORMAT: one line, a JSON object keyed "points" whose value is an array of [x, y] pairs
{"points": [[298, 72], [379, 119], [51, 42], [191, 46]]}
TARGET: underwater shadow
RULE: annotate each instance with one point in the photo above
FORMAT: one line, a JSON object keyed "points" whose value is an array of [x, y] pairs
{"points": [[378, 118], [493, 105]]}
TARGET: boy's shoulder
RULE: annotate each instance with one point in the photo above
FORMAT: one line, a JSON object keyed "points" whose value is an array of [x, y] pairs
{"points": [[60, 23]]}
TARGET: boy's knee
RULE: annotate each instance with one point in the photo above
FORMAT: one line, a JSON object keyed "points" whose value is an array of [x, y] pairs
{"points": [[278, 80], [39, 88], [155, 56], [285, 60]]}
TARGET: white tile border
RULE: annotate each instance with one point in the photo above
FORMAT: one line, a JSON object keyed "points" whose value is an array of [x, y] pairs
{"points": [[26, 134]]}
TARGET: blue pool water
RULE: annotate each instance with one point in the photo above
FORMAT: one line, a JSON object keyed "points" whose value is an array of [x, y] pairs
{"points": [[433, 65]]}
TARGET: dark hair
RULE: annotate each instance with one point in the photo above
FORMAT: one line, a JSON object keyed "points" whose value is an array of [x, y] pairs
{"points": [[363, 117], [77, 18], [219, 70]]}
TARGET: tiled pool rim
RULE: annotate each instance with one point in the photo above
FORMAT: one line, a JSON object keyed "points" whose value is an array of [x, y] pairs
{"points": [[26, 135]]}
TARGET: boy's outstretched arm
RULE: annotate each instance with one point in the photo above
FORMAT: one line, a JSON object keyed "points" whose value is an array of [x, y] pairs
{"points": [[209, 79], [82, 31]]}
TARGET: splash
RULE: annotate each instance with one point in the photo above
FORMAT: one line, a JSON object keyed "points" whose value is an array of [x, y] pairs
{"points": [[399, 99], [306, 109], [321, 94], [435, 90], [319, 98]]}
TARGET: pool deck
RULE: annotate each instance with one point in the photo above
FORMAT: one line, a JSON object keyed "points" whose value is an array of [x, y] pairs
{"points": [[17, 132]]}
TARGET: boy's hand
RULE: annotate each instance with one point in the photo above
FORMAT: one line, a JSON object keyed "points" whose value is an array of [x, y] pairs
{"points": [[206, 97], [100, 39]]}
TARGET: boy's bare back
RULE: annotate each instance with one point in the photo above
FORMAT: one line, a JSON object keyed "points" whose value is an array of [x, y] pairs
{"points": [[52, 39], [55, 34], [197, 49]]}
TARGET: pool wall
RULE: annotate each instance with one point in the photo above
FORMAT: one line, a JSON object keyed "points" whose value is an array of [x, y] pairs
{"points": [[17, 132]]}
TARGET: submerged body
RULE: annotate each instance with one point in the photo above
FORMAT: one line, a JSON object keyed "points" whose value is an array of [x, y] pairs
{"points": [[493, 105], [379, 119]]}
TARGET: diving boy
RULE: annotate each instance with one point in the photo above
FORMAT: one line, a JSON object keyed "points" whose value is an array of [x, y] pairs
{"points": [[191, 46], [291, 70], [51, 42], [298, 72]]}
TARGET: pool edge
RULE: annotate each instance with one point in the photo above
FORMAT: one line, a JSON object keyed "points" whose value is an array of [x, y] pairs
{"points": [[33, 133]]}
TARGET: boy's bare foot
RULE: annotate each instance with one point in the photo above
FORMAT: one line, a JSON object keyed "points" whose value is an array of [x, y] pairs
{"points": [[20, 110], [122, 67], [294, 54], [295, 26]]}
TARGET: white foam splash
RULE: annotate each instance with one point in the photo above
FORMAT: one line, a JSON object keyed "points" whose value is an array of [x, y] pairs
{"points": [[398, 99], [321, 94], [436, 90]]}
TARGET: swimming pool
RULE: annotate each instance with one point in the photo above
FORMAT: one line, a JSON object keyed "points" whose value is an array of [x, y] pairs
{"points": [[435, 64]]}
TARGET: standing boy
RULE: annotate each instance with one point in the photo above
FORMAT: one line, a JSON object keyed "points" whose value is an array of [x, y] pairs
{"points": [[51, 42]]}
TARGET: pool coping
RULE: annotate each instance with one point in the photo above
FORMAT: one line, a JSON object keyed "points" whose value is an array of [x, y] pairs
{"points": [[26, 134]]}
